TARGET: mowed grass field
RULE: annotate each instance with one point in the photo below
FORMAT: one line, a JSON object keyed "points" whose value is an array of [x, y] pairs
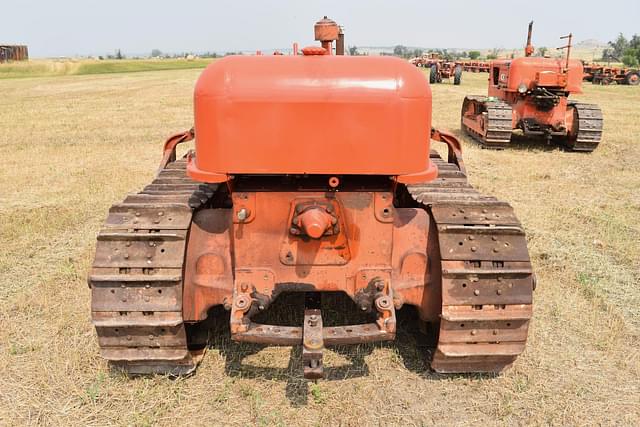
{"points": [[74, 145]]}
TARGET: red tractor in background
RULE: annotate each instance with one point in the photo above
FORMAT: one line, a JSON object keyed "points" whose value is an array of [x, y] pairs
{"points": [[443, 69], [530, 94], [606, 75], [439, 68]]}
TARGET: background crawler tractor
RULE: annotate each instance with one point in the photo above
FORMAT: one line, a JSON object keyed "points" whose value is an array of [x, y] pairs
{"points": [[531, 94], [439, 68], [311, 174]]}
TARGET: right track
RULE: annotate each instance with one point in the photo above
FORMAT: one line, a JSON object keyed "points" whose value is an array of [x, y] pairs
{"points": [[589, 120], [486, 275]]}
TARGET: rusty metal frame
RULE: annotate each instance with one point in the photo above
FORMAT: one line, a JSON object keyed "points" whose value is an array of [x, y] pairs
{"points": [[170, 145]]}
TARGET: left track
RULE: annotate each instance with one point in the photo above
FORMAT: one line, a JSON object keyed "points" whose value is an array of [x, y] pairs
{"points": [[136, 277]]}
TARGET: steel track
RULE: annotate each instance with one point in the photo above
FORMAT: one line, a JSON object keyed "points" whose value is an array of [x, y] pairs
{"points": [[136, 278], [589, 127], [486, 275], [498, 117]]}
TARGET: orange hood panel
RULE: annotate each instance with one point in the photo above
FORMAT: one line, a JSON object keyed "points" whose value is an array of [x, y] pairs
{"points": [[311, 115]]}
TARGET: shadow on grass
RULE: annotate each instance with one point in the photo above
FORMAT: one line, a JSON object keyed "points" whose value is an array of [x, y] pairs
{"points": [[413, 347], [518, 142], [525, 143], [521, 143]]}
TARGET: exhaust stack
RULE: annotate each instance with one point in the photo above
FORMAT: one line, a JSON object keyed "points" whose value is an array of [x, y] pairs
{"points": [[528, 50]]}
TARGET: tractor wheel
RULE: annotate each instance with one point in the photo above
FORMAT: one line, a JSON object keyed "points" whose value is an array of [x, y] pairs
{"points": [[433, 74], [632, 78], [457, 75]]}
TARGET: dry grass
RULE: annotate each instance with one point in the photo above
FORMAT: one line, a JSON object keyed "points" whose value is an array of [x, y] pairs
{"points": [[74, 145]]}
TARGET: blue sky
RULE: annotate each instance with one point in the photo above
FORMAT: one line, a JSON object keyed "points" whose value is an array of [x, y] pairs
{"points": [[91, 27]]}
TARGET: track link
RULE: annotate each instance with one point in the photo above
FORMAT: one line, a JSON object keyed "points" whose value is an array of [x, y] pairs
{"points": [[487, 279], [497, 116], [589, 120], [136, 277]]}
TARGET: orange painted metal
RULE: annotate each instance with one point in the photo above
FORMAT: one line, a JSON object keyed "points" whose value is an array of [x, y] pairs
{"points": [[169, 149], [314, 222], [607, 74], [312, 115], [328, 115], [314, 50], [326, 31], [208, 277], [507, 76], [531, 94], [469, 66], [373, 242], [454, 147], [318, 154], [475, 66]]}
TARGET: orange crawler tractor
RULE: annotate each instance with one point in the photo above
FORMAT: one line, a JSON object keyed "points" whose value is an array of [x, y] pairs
{"points": [[311, 174], [531, 94]]}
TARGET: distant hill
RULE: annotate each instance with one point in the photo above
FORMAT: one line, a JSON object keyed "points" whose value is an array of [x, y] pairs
{"points": [[591, 44]]}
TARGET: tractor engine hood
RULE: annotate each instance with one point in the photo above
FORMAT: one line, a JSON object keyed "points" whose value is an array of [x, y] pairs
{"points": [[312, 114], [545, 72]]}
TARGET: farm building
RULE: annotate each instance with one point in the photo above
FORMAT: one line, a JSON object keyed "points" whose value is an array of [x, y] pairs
{"points": [[13, 53]]}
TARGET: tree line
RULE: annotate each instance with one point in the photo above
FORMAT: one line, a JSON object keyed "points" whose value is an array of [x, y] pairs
{"points": [[449, 55], [405, 52], [623, 50]]}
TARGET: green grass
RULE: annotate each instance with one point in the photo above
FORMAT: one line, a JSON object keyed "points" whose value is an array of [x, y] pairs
{"points": [[52, 68], [105, 67]]}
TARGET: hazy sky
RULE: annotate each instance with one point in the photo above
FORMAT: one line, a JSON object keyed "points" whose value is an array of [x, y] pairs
{"points": [[93, 27]]}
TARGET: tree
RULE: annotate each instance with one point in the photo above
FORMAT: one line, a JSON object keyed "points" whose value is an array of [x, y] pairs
{"points": [[417, 52], [631, 58], [542, 51], [618, 46], [155, 53], [353, 51], [401, 51], [119, 54], [474, 54], [621, 49], [493, 54]]}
